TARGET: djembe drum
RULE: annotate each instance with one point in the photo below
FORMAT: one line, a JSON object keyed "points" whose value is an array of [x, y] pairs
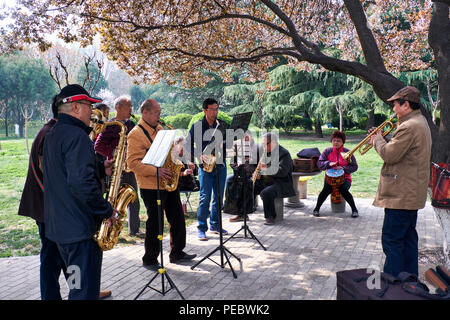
{"points": [[335, 178]]}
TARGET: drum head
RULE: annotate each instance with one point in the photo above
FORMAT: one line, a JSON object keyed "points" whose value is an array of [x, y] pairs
{"points": [[334, 172]]}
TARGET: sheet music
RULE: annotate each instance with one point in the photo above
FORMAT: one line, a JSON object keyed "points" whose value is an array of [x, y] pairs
{"points": [[157, 154]]}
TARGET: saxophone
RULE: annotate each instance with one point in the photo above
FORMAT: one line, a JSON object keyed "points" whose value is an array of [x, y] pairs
{"points": [[97, 123], [119, 196], [210, 163], [257, 170], [174, 165]]}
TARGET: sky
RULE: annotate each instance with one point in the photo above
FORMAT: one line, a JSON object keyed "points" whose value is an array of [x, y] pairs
{"points": [[4, 5]]}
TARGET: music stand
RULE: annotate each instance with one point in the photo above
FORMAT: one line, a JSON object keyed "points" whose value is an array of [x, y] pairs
{"points": [[242, 121], [223, 250], [156, 156]]}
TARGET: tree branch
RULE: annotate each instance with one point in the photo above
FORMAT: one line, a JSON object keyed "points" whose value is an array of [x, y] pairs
{"points": [[365, 35], [232, 59]]}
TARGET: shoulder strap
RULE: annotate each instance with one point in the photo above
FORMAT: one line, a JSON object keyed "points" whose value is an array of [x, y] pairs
{"points": [[146, 133], [41, 185]]}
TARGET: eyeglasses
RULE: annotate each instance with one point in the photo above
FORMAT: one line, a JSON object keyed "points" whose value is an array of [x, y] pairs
{"points": [[86, 104]]}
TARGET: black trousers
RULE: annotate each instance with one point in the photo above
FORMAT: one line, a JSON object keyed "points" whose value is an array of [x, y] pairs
{"points": [[84, 265], [171, 205], [268, 195], [51, 266], [343, 189]]}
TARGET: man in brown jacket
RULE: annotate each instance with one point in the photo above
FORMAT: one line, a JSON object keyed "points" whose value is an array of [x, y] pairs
{"points": [[403, 181], [140, 140]]}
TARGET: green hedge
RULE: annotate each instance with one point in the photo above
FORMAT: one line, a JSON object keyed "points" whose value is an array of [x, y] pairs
{"points": [[199, 116]]}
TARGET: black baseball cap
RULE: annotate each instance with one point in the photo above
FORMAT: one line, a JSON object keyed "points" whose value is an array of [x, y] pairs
{"points": [[75, 92]]}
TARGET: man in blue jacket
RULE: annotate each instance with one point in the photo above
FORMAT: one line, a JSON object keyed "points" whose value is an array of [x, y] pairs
{"points": [[73, 202]]}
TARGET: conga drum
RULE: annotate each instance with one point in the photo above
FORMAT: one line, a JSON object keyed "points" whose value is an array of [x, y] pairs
{"points": [[335, 178]]}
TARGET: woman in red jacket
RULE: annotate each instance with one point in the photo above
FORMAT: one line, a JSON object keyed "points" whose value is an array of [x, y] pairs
{"points": [[331, 159]]}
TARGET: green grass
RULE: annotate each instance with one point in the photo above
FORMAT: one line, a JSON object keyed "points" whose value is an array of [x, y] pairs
{"points": [[19, 235]]}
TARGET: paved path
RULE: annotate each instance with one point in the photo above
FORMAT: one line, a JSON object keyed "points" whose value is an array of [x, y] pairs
{"points": [[302, 258]]}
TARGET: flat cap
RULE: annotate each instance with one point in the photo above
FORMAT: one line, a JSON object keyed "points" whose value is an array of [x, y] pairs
{"points": [[407, 93]]}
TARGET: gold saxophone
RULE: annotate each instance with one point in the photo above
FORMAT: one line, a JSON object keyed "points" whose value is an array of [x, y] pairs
{"points": [[119, 196], [174, 165], [257, 170], [97, 123], [210, 162]]}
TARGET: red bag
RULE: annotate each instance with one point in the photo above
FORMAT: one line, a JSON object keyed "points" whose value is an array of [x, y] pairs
{"points": [[440, 185]]}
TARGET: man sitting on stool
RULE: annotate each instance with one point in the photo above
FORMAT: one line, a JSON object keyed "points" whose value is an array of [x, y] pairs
{"points": [[276, 173]]}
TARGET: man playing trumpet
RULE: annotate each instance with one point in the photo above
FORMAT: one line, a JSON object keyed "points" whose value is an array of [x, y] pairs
{"points": [[403, 181]]}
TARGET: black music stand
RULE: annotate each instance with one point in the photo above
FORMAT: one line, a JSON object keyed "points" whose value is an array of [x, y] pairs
{"points": [[242, 121], [156, 156], [223, 250]]}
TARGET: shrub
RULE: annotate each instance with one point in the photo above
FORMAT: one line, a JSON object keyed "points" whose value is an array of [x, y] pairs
{"points": [[199, 116], [180, 121]]}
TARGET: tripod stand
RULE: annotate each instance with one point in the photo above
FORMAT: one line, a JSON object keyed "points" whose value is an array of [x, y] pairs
{"points": [[242, 177], [161, 271], [221, 248], [155, 157]]}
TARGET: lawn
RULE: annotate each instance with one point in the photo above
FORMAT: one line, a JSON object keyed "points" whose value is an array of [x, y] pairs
{"points": [[19, 235]]}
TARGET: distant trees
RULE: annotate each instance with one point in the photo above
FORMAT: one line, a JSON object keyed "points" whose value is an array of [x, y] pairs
{"points": [[26, 89]]}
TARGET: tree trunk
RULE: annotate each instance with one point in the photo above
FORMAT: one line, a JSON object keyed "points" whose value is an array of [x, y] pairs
{"points": [[26, 135], [6, 123], [439, 39], [21, 127], [370, 122], [318, 128]]}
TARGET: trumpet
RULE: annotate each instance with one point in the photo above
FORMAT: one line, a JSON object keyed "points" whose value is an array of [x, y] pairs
{"points": [[362, 147]]}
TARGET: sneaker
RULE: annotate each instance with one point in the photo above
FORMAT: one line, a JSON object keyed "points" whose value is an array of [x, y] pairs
{"points": [[316, 213], [269, 221], [215, 230], [355, 214], [201, 235]]}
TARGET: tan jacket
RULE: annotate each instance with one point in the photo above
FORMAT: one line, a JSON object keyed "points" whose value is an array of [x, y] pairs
{"points": [[138, 145], [405, 173]]}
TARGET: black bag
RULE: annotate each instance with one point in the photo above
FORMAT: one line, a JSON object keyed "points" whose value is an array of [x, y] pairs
{"points": [[353, 285], [308, 153]]}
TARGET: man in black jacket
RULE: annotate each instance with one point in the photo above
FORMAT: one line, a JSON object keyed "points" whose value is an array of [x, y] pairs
{"points": [[73, 201], [276, 174]]}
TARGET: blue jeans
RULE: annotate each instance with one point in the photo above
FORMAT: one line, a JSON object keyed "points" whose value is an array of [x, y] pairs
{"points": [[208, 184], [400, 241], [51, 266]]}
